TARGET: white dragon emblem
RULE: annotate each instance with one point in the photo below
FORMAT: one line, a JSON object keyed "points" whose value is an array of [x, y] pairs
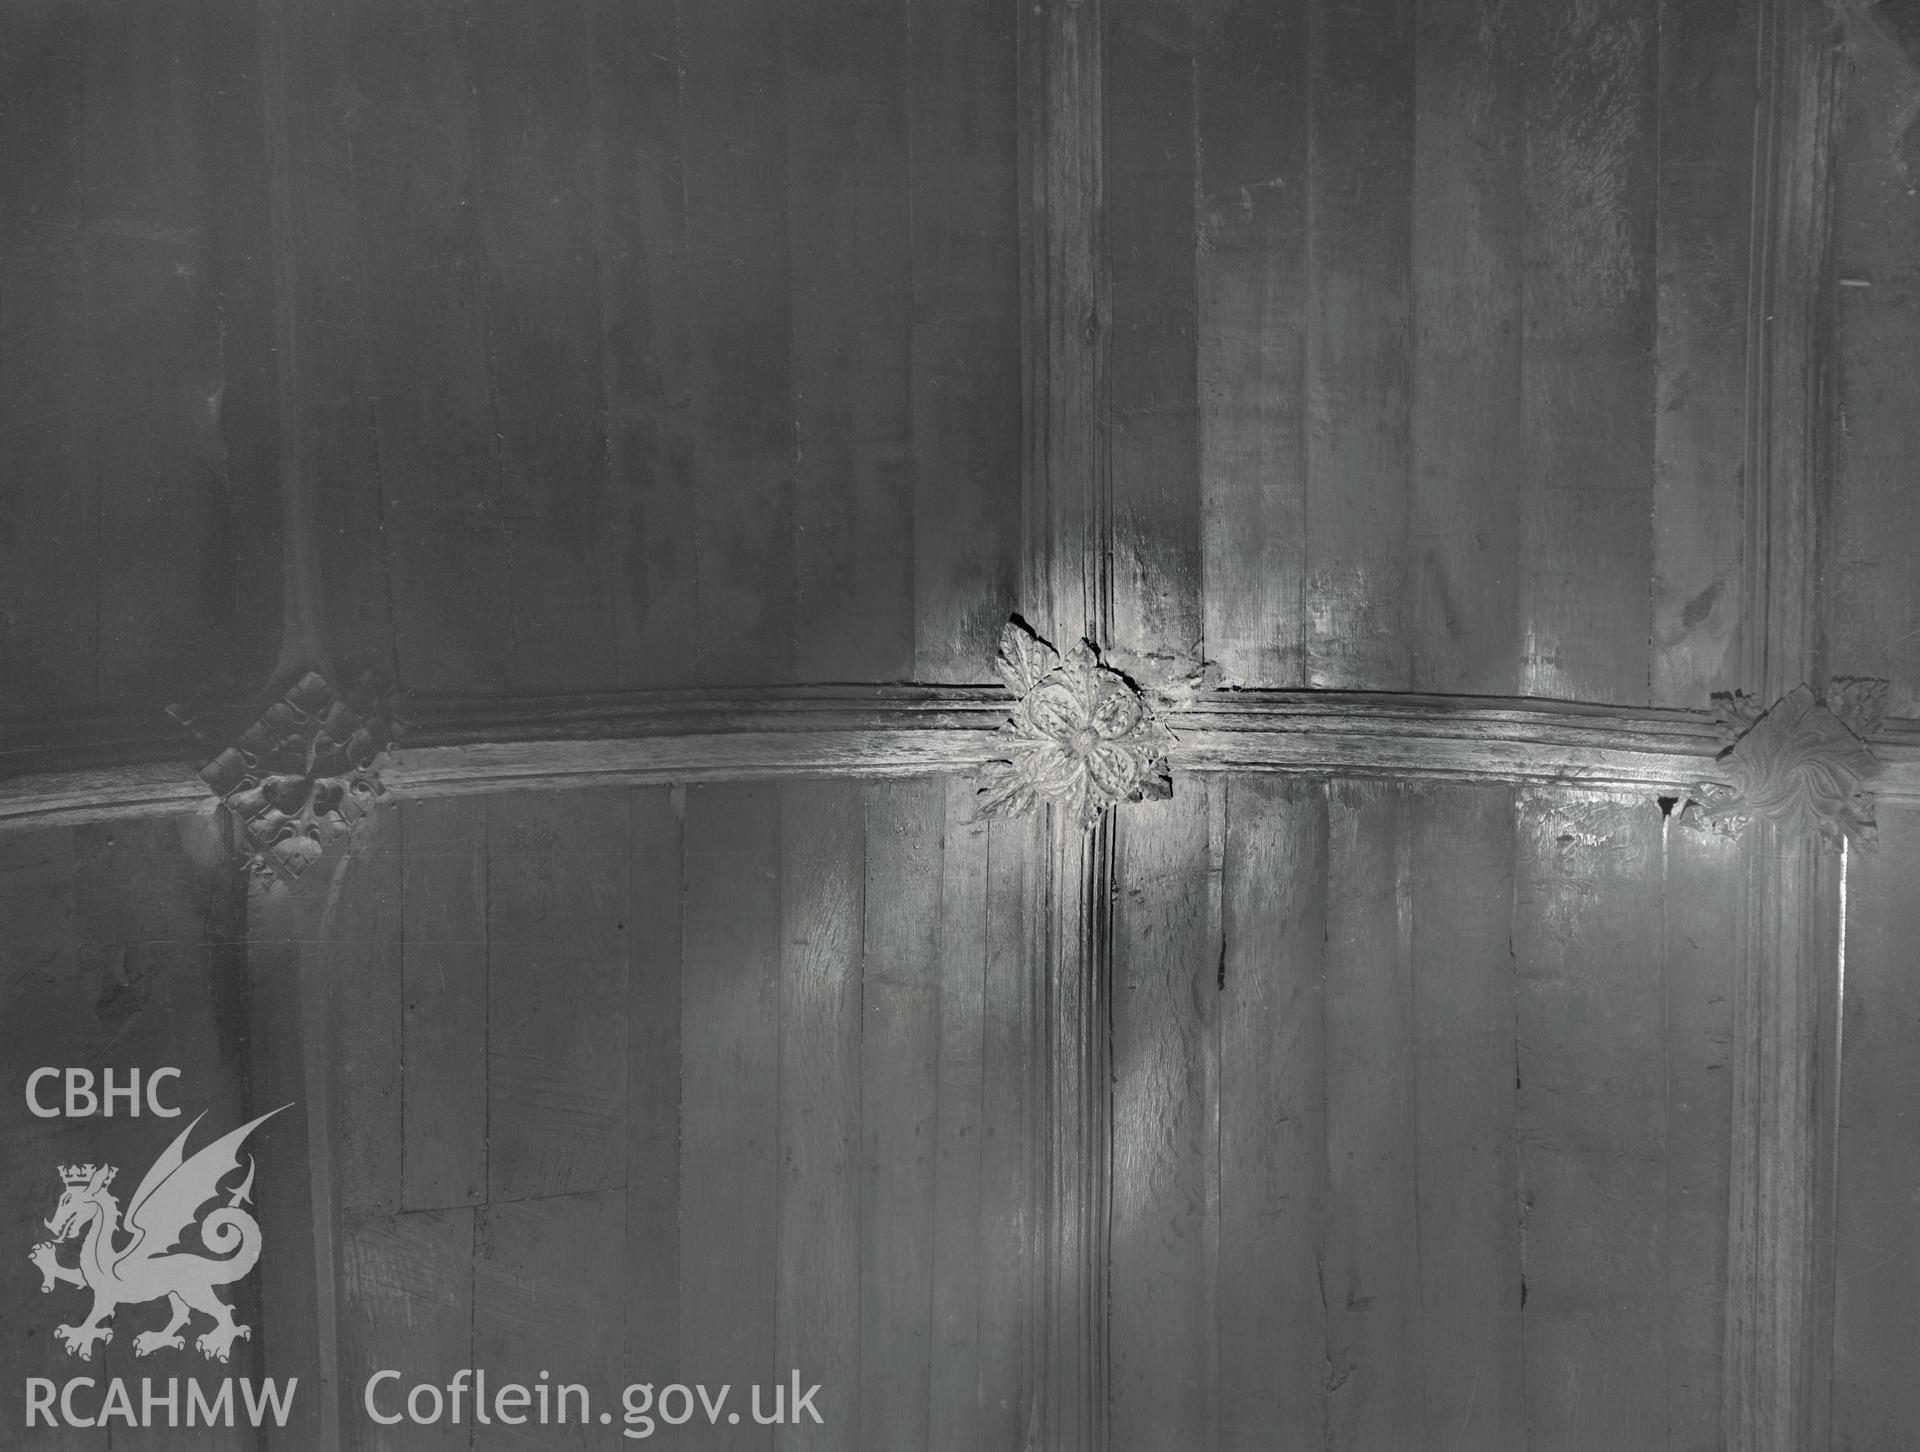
{"points": [[150, 1264]]}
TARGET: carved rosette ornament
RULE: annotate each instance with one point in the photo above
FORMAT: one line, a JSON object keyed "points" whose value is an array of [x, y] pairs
{"points": [[1799, 763], [305, 772], [1082, 734]]}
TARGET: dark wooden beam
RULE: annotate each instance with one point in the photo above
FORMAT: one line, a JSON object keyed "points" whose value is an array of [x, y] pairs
{"points": [[53, 772], [1785, 980]]}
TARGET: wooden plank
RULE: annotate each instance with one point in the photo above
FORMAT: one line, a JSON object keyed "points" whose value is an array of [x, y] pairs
{"points": [[1460, 866], [1165, 971], [968, 428], [732, 88], [154, 340], [444, 980], [43, 56], [1871, 588], [1066, 576], [364, 975], [644, 317], [1877, 1284], [653, 1085], [323, 378], [1250, 97], [154, 343], [111, 962], [557, 913], [1592, 1122], [849, 226], [1151, 359], [822, 881], [240, 270], [1704, 905], [408, 1285], [143, 157], [729, 1093], [49, 562], [414, 160], [1707, 64], [548, 1286], [900, 997], [1463, 614], [288, 1032], [1376, 1375], [959, 1248], [1272, 1317], [1359, 343], [1587, 377], [47, 1015], [534, 200], [155, 918], [1009, 1183]]}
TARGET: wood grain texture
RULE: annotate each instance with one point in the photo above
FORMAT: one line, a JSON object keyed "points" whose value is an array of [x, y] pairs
{"points": [[152, 338], [1702, 930], [1066, 588], [1165, 966], [1376, 1376], [1707, 62], [46, 1011], [1251, 125], [153, 334], [1010, 1197], [320, 343], [821, 1236], [1273, 1115], [849, 228], [409, 1291], [240, 271], [960, 1250], [539, 283], [1876, 1310], [875, 732], [1359, 332], [415, 160], [365, 978], [1779, 1220], [656, 937], [556, 956], [547, 1297], [900, 1000], [968, 424], [730, 1112], [1592, 1122], [1152, 397], [640, 216], [1459, 861], [733, 114], [444, 982], [288, 1026], [1780, 1235], [1587, 376], [1464, 544], [117, 953], [1871, 594]]}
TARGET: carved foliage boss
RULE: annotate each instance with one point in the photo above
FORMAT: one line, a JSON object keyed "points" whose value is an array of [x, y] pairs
{"points": [[1799, 763], [1081, 734], [305, 772]]}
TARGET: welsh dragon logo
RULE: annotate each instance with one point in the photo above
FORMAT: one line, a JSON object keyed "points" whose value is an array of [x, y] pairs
{"points": [[125, 1271]]}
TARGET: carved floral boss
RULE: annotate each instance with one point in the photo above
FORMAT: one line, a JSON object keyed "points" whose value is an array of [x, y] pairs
{"points": [[305, 772], [1800, 763], [1081, 734]]}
